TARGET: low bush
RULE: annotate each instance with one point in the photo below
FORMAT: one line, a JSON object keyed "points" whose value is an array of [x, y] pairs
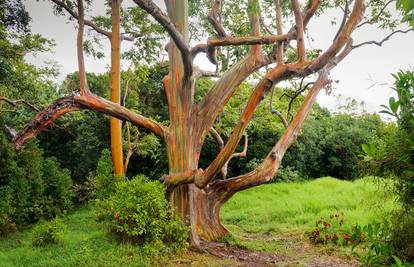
{"points": [[48, 233], [137, 212]]}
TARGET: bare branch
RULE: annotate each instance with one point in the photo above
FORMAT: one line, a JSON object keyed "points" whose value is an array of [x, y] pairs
{"points": [[299, 31], [243, 153], [279, 26], [89, 23], [375, 19], [132, 147], [213, 18], [387, 38], [346, 12], [341, 41], [84, 89], [266, 83], [217, 137], [249, 40], [10, 131], [204, 73], [14, 103], [277, 112]]}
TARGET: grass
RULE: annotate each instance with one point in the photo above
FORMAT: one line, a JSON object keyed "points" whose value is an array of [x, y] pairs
{"points": [[273, 217], [277, 217], [283, 207], [85, 243]]}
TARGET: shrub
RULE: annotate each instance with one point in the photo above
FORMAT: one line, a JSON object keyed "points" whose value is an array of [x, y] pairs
{"points": [[85, 192], [330, 231], [104, 181], [48, 233], [288, 174], [138, 212], [32, 187]]}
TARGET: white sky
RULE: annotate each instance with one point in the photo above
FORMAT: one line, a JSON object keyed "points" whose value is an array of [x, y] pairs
{"points": [[364, 75]]}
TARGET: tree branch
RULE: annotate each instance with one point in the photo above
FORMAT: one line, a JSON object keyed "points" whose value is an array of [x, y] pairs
{"points": [[84, 89], [275, 111], [341, 41], [213, 18], [269, 167], [14, 103], [387, 38], [279, 26], [375, 19], [299, 31], [75, 103], [243, 153], [87, 22], [176, 36], [267, 82]]}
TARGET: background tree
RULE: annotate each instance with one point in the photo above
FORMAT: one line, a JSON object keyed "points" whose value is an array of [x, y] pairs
{"points": [[197, 194]]}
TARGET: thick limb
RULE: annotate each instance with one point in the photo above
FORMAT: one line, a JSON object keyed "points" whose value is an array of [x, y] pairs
{"points": [[75, 103]]}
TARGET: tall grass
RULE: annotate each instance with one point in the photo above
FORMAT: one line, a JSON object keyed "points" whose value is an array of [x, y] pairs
{"points": [[284, 207]]}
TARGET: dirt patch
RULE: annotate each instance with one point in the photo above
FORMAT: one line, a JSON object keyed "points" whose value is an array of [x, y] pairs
{"points": [[244, 257], [291, 250]]}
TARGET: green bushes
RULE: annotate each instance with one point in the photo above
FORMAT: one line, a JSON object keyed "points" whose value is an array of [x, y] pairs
{"points": [[394, 158], [138, 212], [48, 233], [31, 187]]}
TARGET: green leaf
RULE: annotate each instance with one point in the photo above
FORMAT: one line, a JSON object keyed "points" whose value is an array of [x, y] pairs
{"points": [[394, 104]]}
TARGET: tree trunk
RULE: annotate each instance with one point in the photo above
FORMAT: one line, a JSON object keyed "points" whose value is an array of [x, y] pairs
{"points": [[115, 93], [200, 210]]}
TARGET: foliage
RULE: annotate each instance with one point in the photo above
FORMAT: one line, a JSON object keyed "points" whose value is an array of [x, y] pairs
{"points": [[104, 181], [288, 174], [407, 8], [137, 212], [48, 233], [394, 158], [32, 187]]}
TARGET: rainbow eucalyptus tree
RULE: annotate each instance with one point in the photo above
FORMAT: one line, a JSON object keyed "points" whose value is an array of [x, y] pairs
{"points": [[275, 52]]}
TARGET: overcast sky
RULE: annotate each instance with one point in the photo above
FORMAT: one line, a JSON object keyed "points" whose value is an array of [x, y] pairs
{"points": [[364, 75]]}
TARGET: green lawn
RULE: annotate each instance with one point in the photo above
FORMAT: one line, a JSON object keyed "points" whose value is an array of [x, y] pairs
{"points": [[271, 210]]}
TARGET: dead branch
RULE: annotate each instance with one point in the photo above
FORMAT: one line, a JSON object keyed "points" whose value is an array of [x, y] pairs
{"points": [[381, 42], [15, 103], [275, 111]]}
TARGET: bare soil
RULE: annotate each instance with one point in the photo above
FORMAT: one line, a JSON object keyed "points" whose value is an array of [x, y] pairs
{"points": [[294, 251]]}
